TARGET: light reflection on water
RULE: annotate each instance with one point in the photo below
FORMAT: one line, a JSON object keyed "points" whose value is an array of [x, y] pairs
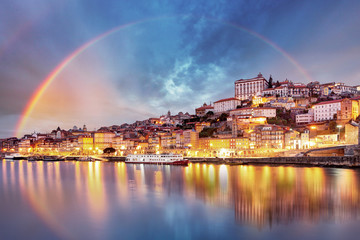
{"points": [[104, 200]]}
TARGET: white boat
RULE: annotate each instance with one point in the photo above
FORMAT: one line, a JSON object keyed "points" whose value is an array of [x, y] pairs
{"points": [[14, 156], [172, 159]]}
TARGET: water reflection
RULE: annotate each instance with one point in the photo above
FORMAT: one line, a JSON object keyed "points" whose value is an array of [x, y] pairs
{"points": [[80, 199]]}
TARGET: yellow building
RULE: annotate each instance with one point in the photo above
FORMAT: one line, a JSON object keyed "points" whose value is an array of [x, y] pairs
{"points": [[256, 100], [86, 143], [103, 139], [223, 143]]}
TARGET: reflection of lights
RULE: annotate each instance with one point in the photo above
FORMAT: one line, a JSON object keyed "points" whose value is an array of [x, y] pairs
{"points": [[223, 175]]}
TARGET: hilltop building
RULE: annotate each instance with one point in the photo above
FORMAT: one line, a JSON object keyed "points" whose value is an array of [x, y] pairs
{"points": [[247, 88]]}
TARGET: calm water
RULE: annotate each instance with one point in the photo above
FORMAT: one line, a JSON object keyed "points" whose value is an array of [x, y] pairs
{"points": [[104, 200]]}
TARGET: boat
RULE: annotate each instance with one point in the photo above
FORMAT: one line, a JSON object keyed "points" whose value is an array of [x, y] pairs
{"points": [[14, 156], [172, 159]]}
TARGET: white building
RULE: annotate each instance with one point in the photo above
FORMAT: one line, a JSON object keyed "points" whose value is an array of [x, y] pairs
{"points": [[226, 104], [246, 88], [267, 112], [326, 110], [305, 117]]}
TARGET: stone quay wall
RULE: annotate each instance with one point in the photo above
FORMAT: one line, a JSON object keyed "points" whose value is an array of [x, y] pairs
{"points": [[335, 161]]}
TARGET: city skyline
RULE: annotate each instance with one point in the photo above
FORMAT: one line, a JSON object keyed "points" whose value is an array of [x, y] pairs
{"points": [[121, 62]]}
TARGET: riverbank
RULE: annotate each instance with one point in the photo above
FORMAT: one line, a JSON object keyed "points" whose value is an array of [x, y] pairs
{"points": [[337, 161], [321, 161]]}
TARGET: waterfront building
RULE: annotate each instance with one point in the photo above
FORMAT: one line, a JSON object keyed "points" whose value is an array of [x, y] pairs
{"points": [[191, 138], [245, 89], [154, 142], [297, 139], [86, 143], [24, 145], [224, 143], [103, 139], [267, 136], [168, 141], [226, 104]]}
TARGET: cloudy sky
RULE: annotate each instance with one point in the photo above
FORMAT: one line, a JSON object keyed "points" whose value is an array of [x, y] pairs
{"points": [[144, 58]]}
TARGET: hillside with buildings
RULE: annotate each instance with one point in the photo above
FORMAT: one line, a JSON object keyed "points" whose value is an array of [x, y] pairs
{"points": [[262, 118]]}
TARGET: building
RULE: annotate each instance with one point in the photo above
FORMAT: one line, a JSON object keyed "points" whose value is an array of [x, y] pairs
{"points": [[267, 112], [226, 104], [203, 110], [267, 136], [299, 90], [103, 139], [282, 102], [343, 109], [191, 139], [245, 89], [326, 110], [86, 143], [305, 118]]}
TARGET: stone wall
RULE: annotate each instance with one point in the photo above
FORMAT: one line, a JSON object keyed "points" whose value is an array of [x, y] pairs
{"points": [[344, 161]]}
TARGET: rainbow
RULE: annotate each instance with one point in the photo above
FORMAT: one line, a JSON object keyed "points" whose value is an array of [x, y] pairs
{"points": [[277, 48], [57, 70]]}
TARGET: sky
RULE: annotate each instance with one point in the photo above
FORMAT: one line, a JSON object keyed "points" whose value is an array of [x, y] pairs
{"points": [[138, 59]]}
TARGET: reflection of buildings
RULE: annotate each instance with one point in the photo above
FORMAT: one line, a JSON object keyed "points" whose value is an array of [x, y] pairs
{"points": [[259, 195], [272, 195]]}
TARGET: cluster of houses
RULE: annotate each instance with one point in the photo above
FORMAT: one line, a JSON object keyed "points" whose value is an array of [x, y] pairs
{"points": [[262, 117]]}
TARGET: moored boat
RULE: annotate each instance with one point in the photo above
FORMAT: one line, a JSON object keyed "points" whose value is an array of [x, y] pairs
{"points": [[172, 159], [14, 156]]}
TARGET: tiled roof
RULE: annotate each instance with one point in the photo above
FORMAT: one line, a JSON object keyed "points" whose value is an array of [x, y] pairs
{"points": [[226, 99], [329, 102], [203, 108]]}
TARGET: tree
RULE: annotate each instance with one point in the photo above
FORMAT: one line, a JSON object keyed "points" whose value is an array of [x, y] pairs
{"points": [[223, 117], [207, 132], [270, 82], [209, 113], [277, 84]]}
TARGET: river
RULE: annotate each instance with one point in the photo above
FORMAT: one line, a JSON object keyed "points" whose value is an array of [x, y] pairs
{"points": [[114, 200]]}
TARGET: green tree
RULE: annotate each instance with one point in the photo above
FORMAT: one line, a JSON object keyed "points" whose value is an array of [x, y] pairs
{"points": [[270, 82], [223, 117], [207, 132]]}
